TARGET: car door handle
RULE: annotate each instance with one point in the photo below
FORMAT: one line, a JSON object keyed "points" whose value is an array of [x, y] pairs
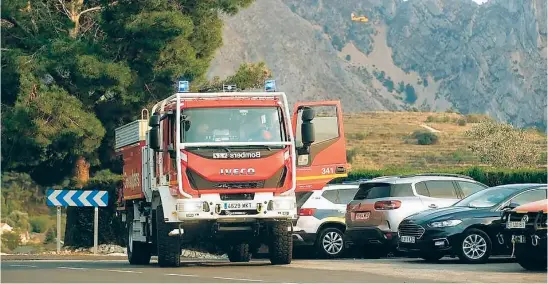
{"points": [[433, 206]]}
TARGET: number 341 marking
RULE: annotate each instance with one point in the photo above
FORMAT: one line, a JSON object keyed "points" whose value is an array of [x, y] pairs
{"points": [[327, 171]]}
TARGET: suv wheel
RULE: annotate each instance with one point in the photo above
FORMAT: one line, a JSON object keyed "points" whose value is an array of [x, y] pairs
{"points": [[330, 242], [475, 246]]}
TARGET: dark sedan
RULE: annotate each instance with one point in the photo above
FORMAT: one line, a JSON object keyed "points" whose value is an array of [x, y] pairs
{"points": [[470, 228]]}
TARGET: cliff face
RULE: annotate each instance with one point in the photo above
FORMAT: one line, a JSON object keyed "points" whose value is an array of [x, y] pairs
{"points": [[426, 54]]}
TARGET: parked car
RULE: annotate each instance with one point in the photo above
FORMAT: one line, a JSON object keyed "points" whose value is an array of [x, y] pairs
{"points": [[321, 223], [526, 226], [374, 214], [470, 229]]}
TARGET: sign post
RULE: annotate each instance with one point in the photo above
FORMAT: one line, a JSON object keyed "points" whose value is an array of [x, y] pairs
{"points": [[58, 229], [77, 198]]}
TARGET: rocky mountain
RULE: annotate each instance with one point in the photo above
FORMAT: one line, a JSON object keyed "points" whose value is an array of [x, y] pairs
{"points": [[424, 54]]}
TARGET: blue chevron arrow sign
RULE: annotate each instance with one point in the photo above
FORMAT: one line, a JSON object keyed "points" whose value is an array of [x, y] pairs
{"points": [[77, 198]]}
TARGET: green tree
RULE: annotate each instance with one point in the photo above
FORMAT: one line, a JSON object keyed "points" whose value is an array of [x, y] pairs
{"points": [[502, 145], [76, 70], [410, 95]]}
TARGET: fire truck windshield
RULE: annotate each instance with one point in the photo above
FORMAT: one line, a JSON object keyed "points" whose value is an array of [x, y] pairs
{"points": [[234, 124]]}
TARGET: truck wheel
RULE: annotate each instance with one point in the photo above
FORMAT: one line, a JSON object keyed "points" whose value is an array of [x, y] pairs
{"points": [[169, 248], [239, 253], [281, 243], [137, 252]]}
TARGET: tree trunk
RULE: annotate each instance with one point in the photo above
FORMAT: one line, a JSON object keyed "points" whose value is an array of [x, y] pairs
{"points": [[81, 172], [75, 8]]}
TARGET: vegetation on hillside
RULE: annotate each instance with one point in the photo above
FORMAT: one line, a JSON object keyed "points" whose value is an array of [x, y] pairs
{"points": [[379, 140]]}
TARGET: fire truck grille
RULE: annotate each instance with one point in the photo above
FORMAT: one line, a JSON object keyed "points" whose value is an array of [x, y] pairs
{"points": [[197, 182], [239, 185]]}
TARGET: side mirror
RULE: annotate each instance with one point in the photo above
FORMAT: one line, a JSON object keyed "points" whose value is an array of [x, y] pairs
{"points": [[154, 134], [510, 206], [154, 120], [307, 129], [154, 138]]}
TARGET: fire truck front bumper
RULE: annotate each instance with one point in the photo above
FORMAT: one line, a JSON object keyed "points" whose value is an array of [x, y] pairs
{"points": [[272, 207]]}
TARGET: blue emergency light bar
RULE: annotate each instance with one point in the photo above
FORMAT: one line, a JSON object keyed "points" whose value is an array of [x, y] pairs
{"points": [[270, 85], [183, 87]]}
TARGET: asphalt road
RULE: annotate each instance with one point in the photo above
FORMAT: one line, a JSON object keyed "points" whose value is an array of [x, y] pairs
{"points": [[108, 270]]}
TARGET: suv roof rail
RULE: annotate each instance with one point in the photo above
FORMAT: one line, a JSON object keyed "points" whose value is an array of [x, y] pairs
{"points": [[437, 174]]}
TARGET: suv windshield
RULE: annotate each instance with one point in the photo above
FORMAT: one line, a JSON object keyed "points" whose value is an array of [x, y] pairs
{"points": [[486, 198], [383, 190], [235, 124]]}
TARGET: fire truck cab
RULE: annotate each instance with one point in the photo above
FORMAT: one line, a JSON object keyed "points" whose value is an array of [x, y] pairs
{"points": [[219, 171]]}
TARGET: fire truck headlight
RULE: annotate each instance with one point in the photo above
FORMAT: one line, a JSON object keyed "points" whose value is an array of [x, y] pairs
{"points": [[282, 204]]}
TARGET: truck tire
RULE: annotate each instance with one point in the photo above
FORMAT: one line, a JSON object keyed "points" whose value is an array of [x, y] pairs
{"points": [[138, 253], [239, 253], [169, 248], [281, 243]]}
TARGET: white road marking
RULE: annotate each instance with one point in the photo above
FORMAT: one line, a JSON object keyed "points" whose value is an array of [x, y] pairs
{"points": [[23, 265], [238, 279], [124, 271], [182, 275], [72, 268]]}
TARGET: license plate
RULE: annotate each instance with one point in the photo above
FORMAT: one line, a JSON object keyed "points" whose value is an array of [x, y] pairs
{"points": [[519, 239], [407, 239], [363, 216], [238, 205], [515, 225]]}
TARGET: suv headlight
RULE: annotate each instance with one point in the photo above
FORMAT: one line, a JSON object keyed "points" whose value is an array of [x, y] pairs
{"points": [[446, 223]]}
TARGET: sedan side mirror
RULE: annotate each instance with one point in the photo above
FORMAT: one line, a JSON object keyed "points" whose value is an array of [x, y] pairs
{"points": [[510, 206]]}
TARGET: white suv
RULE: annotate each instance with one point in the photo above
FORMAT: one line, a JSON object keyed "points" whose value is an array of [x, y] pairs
{"points": [[321, 221]]}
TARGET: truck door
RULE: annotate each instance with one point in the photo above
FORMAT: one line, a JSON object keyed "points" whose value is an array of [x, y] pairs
{"points": [[326, 156]]}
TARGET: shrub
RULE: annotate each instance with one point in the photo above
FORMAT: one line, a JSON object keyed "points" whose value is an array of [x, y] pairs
{"points": [[11, 240], [348, 57], [350, 154], [461, 122], [40, 224], [358, 136], [425, 137]]}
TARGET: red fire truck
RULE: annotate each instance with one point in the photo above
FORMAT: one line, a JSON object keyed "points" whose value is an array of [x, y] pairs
{"points": [[221, 170]]}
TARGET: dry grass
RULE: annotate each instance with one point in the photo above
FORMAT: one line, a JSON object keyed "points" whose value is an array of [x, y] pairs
{"points": [[381, 139]]}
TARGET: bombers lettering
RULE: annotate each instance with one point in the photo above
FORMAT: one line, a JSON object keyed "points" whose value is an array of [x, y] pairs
{"points": [[237, 155], [238, 172]]}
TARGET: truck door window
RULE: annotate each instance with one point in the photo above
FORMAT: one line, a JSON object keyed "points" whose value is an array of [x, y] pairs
{"points": [[326, 125]]}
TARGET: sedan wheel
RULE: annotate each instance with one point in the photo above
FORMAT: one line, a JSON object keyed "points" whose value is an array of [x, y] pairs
{"points": [[475, 246], [331, 242]]}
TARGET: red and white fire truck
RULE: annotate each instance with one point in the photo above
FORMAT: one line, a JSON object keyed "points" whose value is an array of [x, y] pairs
{"points": [[222, 169]]}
